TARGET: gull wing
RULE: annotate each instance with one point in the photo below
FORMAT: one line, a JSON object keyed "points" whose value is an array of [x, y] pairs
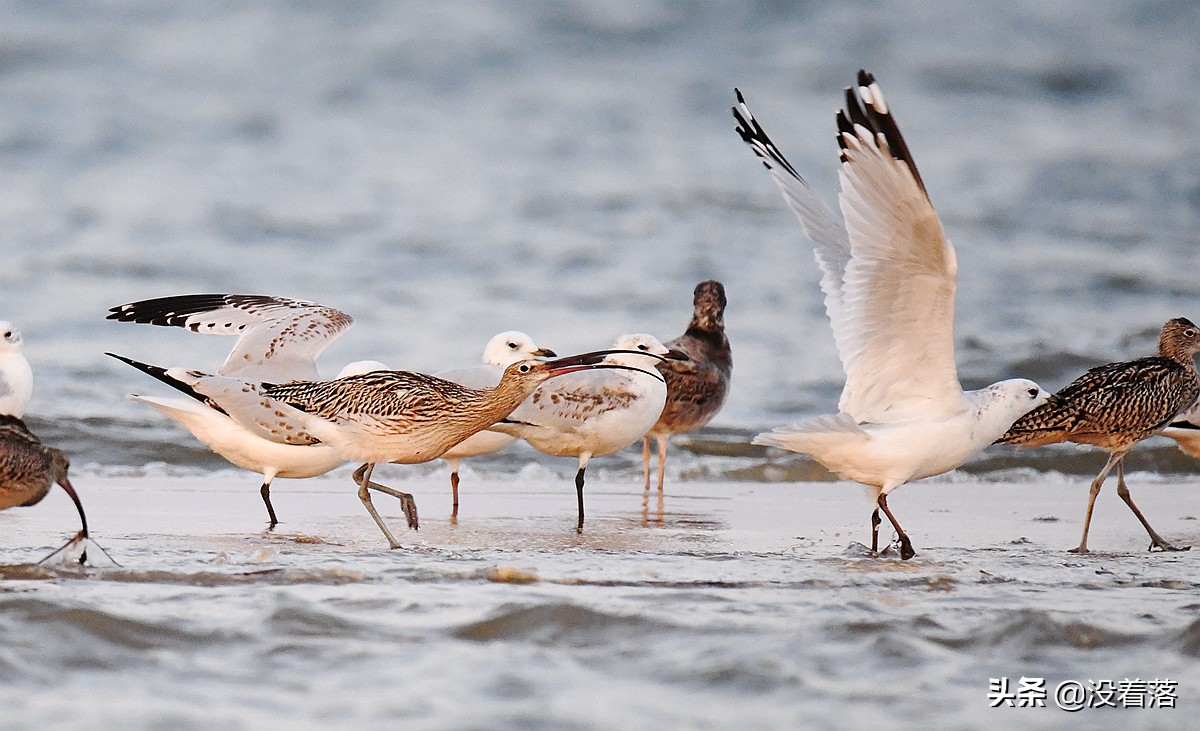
{"points": [[279, 339], [896, 335], [831, 243]]}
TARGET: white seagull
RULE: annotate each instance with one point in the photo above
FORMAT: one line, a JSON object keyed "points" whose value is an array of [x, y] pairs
{"points": [[279, 340], [501, 351], [16, 377], [888, 276], [597, 413]]}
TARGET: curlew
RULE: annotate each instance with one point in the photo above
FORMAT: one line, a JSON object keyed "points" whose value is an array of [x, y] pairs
{"points": [[1117, 405]]}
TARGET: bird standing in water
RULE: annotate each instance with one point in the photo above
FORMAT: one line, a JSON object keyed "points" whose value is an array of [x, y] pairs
{"points": [[501, 351], [889, 275], [1117, 405], [596, 414], [697, 386], [381, 416]]}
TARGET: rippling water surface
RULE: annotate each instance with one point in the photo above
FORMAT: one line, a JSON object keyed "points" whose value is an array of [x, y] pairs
{"points": [[444, 172]]}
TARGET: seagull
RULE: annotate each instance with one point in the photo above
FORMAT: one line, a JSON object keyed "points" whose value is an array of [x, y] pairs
{"points": [[16, 378], [1117, 405], [501, 351], [596, 414], [697, 386], [279, 340], [888, 276], [381, 416]]}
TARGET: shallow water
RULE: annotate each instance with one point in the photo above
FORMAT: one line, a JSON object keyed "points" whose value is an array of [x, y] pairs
{"points": [[444, 172]]}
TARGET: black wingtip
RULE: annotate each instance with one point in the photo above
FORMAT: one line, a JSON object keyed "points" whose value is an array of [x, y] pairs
{"points": [[756, 137], [875, 116]]}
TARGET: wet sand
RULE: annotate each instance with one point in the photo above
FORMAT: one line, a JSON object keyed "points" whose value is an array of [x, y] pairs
{"points": [[806, 520], [743, 604]]}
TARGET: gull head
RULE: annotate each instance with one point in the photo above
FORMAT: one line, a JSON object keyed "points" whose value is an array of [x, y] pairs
{"points": [[642, 351], [1012, 399], [512, 346], [11, 340]]}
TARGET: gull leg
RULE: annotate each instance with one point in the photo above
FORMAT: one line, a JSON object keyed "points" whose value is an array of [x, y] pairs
{"points": [[875, 521], [363, 477], [579, 497], [1097, 483], [1156, 540], [906, 549], [583, 462], [662, 458], [265, 491], [646, 461]]}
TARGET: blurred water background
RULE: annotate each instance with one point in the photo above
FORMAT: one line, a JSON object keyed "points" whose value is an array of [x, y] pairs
{"points": [[445, 171]]}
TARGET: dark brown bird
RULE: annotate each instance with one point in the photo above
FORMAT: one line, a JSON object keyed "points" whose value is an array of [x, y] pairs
{"points": [[697, 386], [29, 468], [1117, 405]]}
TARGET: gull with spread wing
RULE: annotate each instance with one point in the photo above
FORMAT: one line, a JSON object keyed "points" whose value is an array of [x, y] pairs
{"points": [[888, 275], [278, 340]]}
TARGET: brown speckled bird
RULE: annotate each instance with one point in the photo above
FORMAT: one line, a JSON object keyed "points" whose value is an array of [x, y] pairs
{"points": [[697, 386], [381, 416], [28, 468], [1117, 405]]}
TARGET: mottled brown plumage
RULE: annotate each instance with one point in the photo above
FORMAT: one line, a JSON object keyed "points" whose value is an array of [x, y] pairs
{"points": [[1117, 405], [399, 416], [696, 387], [29, 468]]}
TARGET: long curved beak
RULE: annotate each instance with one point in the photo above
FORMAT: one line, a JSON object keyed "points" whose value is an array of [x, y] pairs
{"points": [[66, 485]]}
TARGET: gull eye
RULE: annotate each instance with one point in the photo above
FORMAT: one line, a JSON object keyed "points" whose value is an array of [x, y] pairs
{"points": [[1033, 392], [7, 334], [643, 346], [512, 345]]}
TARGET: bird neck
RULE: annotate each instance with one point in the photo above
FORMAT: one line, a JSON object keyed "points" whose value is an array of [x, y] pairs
{"points": [[1172, 350]]}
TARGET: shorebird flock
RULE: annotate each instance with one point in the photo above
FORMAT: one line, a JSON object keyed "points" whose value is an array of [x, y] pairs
{"points": [[888, 275]]}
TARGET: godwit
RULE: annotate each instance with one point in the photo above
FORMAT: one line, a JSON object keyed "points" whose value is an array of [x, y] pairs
{"points": [[888, 278], [501, 351], [27, 470], [382, 416], [279, 340], [697, 386], [1117, 405], [16, 378], [596, 414]]}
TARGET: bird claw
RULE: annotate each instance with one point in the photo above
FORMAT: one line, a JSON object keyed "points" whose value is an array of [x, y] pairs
{"points": [[1164, 546]]}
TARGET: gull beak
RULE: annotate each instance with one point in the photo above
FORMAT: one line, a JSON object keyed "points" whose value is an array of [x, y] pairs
{"points": [[673, 354], [544, 353]]}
